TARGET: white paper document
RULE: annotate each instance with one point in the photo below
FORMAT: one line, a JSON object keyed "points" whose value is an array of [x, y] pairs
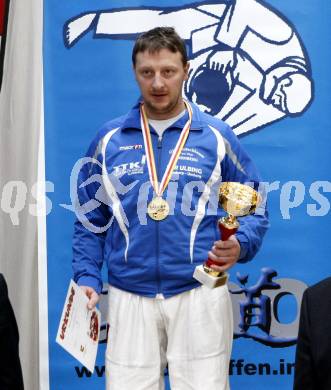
{"points": [[79, 327]]}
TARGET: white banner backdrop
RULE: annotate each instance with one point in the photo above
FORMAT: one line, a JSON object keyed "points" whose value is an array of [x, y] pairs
{"points": [[20, 124]]}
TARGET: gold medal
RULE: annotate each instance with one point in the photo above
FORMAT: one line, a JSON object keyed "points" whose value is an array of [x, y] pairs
{"points": [[158, 209]]}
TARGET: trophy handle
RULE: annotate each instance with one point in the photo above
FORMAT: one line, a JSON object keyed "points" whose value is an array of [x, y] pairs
{"points": [[225, 231], [227, 228]]}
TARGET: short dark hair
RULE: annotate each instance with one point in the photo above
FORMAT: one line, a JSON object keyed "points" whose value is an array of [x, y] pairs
{"points": [[160, 38]]}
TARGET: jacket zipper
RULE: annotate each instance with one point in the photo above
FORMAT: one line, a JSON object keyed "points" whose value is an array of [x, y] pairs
{"points": [[158, 277]]}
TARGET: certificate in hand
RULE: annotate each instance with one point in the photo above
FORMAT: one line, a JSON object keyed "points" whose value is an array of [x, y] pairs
{"points": [[79, 327]]}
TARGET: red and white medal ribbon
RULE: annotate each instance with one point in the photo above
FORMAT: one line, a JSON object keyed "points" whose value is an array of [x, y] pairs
{"points": [[160, 188]]}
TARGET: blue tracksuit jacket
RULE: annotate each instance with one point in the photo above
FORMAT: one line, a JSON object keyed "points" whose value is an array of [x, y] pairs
{"points": [[144, 256]]}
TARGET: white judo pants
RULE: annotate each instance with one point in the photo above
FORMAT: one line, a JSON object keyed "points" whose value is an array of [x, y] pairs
{"points": [[191, 332]]}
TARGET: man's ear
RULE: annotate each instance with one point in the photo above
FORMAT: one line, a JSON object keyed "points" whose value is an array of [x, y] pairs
{"points": [[186, 69], [134, 71]]}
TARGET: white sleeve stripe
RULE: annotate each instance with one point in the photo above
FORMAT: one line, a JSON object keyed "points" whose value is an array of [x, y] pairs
{"points": [[215, 176], [232, 156], [118, 210]]}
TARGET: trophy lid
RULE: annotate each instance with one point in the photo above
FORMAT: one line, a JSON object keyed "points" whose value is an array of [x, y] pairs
{"points": [[238, 199]]}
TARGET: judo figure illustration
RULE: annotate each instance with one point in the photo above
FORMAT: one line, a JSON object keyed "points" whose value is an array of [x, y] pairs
{"points": [[249, 66]]}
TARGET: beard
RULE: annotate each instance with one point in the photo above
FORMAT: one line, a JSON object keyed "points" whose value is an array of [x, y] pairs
{"points": [[165, 109]]}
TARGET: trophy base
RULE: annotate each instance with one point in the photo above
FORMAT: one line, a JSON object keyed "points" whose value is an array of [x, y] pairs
{"points": [[209, 280]]}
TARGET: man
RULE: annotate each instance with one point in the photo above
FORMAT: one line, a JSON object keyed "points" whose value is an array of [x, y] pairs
{"points": [[313, 354], [161, 167], [10, 369]]}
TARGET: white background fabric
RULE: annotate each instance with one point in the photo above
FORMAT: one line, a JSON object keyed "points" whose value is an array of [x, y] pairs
{"points": [[20, 112]]}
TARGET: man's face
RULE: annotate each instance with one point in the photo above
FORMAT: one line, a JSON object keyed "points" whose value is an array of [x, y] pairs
{"points": [[160, 77]]}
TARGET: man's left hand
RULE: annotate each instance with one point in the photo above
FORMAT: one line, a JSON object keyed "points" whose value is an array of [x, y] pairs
{"points": [[225, 253]]}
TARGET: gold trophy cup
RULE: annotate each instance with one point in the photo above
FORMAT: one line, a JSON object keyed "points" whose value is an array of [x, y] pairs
{"points": [[238, 200]]}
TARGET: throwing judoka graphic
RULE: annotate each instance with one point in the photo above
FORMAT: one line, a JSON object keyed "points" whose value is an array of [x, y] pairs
{"points": [[248, 65]]}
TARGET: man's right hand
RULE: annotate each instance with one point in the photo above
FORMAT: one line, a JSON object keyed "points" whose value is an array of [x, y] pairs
{"points": [[91, 295]]}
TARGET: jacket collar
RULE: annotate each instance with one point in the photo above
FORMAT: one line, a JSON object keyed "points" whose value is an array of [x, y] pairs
{"points": [[132, 119]]}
